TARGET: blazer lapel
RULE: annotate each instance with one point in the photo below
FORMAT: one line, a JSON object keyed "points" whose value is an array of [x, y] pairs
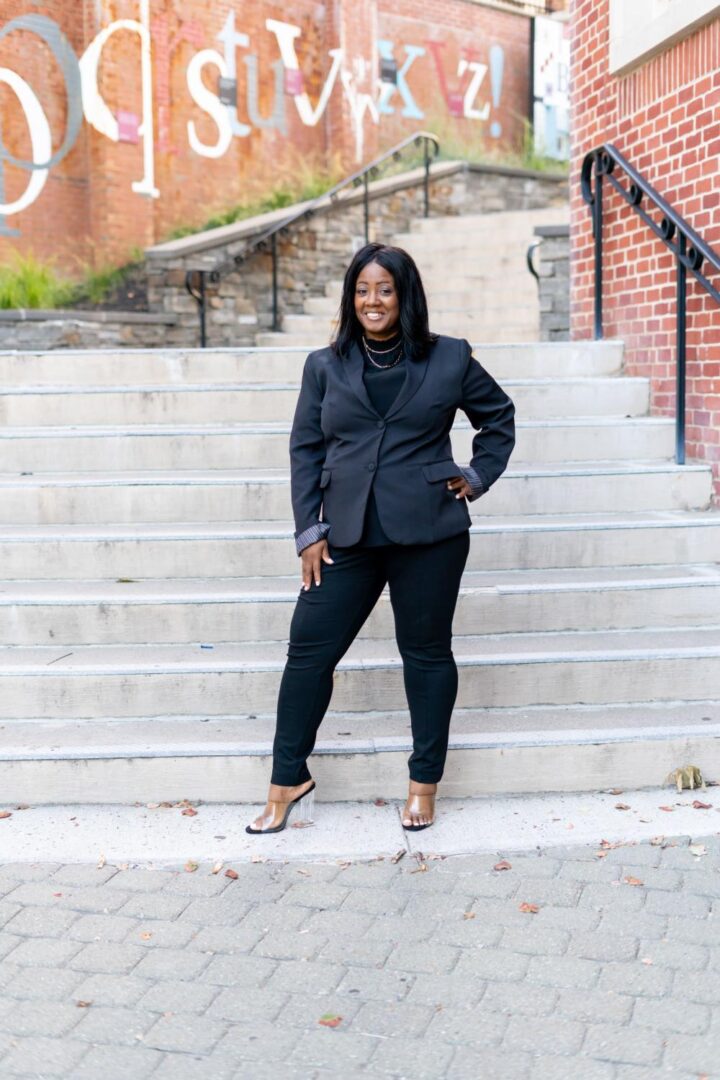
{"points": [[414, 374], [354, 366]]}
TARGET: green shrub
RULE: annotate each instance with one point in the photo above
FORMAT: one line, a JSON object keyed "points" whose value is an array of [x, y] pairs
{"points": [[29, 282]]}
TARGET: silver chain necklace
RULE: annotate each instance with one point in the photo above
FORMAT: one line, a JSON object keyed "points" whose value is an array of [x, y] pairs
{"points": [[383, 352]]}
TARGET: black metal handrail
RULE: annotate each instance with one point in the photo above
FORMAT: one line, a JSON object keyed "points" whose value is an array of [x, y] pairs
{"points": [[195, 280], [689, 249]]}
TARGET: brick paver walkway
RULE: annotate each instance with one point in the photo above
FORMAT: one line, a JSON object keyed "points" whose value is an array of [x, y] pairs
{"points": [[432, 968]]}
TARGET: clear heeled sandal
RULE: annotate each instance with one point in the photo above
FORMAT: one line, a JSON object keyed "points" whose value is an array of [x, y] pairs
{"points": [[303, 804]]}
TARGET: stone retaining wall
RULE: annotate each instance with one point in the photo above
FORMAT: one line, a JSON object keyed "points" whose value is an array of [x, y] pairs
{"points": [[317, 251], [554, 283]]}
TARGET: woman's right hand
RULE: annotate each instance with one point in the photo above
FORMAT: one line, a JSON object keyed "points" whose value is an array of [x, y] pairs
{"points": [[313, 556]]}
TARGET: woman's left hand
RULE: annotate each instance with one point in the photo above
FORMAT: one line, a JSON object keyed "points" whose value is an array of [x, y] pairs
{"points": [[460, 486]]}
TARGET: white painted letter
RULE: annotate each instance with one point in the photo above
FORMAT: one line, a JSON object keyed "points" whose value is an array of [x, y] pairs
{"points": [[210, 103], [286, 34], [40, 137], [96, 111]]}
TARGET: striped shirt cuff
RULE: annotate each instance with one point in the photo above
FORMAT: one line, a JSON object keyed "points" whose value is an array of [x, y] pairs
{"points": [[478, 488], [311, 536]]}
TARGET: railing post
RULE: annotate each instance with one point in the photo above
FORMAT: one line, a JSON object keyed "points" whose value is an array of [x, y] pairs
{"points": [[199, 298], [275, 308], [681, 334], [597, 233], [366, 205], [426, 149]]}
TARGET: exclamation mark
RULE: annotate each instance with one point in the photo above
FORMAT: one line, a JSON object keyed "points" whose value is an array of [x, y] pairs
{"points": [[497, 64]]}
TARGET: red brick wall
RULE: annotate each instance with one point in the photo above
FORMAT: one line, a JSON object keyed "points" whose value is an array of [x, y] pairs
{"points": [[663, 117], [88, 211]]}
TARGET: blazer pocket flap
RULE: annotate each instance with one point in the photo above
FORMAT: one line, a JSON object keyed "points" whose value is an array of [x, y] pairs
{"points": [[441, 470], [325, 477]]}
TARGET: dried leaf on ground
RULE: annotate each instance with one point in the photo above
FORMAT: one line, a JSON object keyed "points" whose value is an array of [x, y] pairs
{"points": [[697, 849], [646, 960], [191, 866], [667, 809], [189, 812], [380, 802], [398, 856], [532, 909], [146, 935], [697, 805], [633, 881], [621, 806], [232, 874], [301, 824], [330, 1020], [152, 805], [502, 865], [419, 869], [656, 841], [615, 791], [217, 867], [83, 1004], [469, 914], [5, 813], [101, 861]]}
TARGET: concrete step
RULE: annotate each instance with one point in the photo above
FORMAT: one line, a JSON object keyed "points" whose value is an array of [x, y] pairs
{"points": [[179, 367], [259, 549], [496, 224], [474, 324], [357, 756], [245, 609], [603, 667], [275, 402], [228, 446], [255, 494]]}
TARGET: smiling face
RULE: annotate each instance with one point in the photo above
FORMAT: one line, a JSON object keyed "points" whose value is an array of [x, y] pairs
{"points": [[377, 306]]}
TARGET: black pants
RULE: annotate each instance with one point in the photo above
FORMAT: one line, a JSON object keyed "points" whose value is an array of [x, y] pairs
{"points": [[424, 581]]}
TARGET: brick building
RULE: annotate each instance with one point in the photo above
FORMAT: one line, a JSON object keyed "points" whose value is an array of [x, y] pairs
{"points": [[646, 77], [151, 114]]}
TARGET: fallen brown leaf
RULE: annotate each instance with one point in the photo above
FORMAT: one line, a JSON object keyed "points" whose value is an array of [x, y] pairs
{"points": [[83, 1004], [5, 813], [532, 909], [502, 865], [101, 861], [633, 881], [667, 809], [380, 802], [419, 869], [191, 866], [398, 856], [656, 841], [189, 812], [301, 824], [146, 935], [646, 960], [621, 806], [469, 914], [697, 805], [330, 1020], [258, 858], [601, 854], [217, 867], [232, 874], [615, 791]]}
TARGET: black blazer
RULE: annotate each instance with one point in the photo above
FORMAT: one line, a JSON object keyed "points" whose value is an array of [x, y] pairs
{"points": [[340, 446]]}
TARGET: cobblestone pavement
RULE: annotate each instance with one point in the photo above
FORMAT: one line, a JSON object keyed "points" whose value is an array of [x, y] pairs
{"points": [[427, 969]]}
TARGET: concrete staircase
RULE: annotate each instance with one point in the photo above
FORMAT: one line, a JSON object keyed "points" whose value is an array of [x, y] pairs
{"points": [[475, 273], [149, 576]]}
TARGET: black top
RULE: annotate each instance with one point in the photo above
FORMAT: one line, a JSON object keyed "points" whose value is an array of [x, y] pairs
{"points": [[382, 386]]}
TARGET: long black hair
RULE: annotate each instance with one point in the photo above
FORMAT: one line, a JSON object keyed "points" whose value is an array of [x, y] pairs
{"points": [[414, 319]]}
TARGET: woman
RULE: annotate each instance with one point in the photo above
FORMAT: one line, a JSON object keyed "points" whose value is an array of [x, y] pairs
{"points": [[378, 500]]}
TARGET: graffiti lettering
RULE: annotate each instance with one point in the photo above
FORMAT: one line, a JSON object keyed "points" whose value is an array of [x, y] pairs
{"points": [[96, 111], [212, 80], [411, 109], [210, 103]]}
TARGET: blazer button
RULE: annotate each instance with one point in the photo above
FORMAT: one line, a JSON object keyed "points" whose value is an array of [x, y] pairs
{"points": [[371, 467]]}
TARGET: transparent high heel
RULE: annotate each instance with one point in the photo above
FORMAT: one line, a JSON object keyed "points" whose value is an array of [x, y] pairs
{"points": [[305, 808]]}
